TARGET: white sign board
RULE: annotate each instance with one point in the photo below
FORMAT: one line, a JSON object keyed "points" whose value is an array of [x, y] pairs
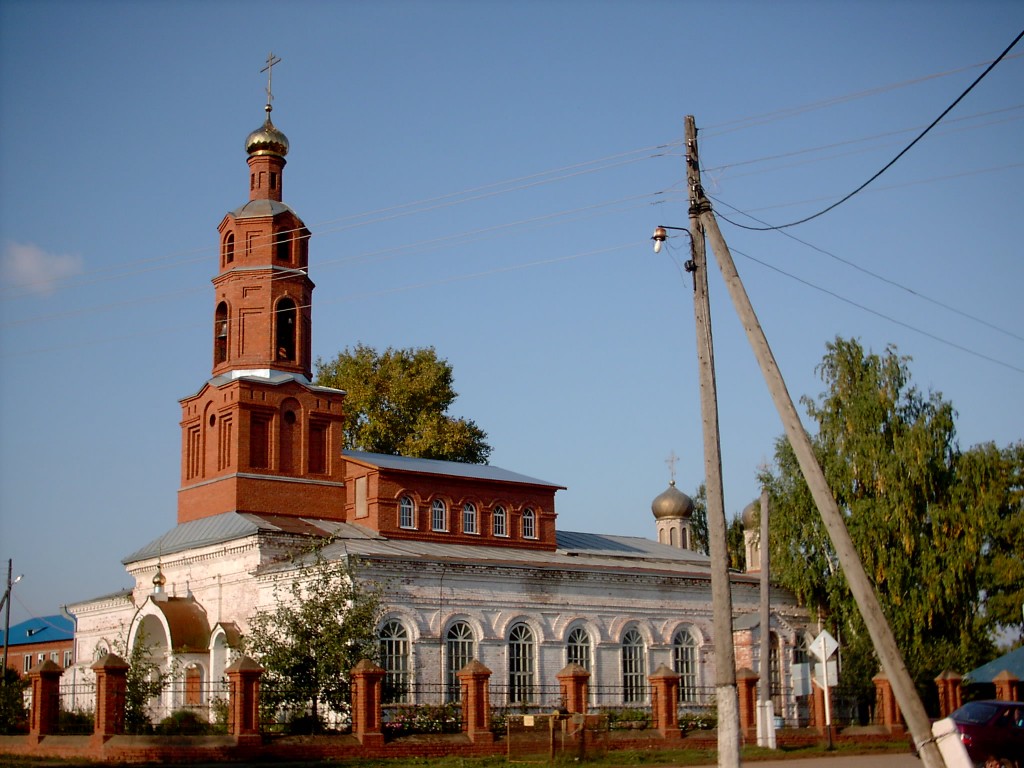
{"points": [[833, 674], [823, 646]]}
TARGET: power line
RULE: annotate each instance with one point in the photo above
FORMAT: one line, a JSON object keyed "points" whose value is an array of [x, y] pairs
{"points": [[906, 149], [876, 276], [881, 315]]}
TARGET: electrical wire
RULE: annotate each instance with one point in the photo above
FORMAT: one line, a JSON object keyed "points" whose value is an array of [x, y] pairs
{"points": [[879, 314], [906, 149], [882, 278]]}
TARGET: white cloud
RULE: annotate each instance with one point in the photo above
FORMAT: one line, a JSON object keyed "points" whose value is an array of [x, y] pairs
{"points": [[28, 268]]}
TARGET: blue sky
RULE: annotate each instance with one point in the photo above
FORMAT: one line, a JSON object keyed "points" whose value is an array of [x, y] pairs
{"points": [[484, 177]]}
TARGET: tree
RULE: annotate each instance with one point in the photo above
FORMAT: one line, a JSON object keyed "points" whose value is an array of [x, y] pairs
{"points": [[993, 480], [144, 681], [397, 404], [13, 715], [321, 625], [920, 527], [699, 520]]}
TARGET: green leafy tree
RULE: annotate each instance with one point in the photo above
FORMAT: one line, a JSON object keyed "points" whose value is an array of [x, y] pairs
{"points": [[890, 457], [321, 625], [699, 520], [397, 404], [13, 715], [144, 681], [992, 480]]}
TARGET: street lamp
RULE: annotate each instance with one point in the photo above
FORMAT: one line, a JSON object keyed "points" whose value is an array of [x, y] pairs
{"points": [[6, 604]]}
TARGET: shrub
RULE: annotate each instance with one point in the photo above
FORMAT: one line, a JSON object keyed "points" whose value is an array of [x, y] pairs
{"points": [[183, 722]]}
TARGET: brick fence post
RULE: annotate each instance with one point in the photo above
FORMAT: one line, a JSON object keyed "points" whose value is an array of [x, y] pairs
{"points": [[1007, 686], [665, 702], [367, 684], [45, 714], [574, 687], [746, 681], [111, 686], [950, 693], [887, 712], [244, 676], [818, 707], [474, 679]]}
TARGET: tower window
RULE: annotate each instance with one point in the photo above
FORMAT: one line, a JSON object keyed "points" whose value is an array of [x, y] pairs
{"points": [[273, 180], [318, 447], [229, 248], [283, 246], [286, 316], [220, 334]]}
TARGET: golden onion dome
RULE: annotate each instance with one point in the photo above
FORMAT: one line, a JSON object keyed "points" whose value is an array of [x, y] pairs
{"points": [[672, 504], [267, 140]]}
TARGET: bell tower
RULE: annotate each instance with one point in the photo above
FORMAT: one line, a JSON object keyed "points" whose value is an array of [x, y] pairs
{"points": [[259, 437]]}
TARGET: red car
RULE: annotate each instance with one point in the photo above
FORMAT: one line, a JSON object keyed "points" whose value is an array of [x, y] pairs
{"points": [[993, 732]]}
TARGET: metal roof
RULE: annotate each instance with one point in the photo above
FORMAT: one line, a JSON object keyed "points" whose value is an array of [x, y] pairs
{"points": [[447, 468], [1012, 662], [43, 629]]}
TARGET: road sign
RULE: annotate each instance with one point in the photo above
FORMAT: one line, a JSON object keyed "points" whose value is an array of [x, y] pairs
{"points": [[823, 646]]}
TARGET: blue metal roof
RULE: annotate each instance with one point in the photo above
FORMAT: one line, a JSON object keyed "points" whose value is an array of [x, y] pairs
{"points": [[43, 629], [447, 468], [1012, 662]]}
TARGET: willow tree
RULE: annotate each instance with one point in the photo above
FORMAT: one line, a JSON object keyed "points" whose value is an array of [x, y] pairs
{"points": [[397, 403], [890, 456]]}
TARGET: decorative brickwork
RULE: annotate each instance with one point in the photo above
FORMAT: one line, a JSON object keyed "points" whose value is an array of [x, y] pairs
{"points": [[244, 697], [665, 702], [45, 681], [367, 683], [474, 679], [746, 685], [950, 694], [574, 685], [1007, 686], [111, 685], [887, 711]]}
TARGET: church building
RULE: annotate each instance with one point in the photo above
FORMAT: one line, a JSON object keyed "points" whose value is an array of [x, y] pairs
{"points": [[474, 564]]}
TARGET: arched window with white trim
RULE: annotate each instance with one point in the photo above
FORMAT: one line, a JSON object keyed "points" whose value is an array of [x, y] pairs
{"points": [[460, 649], [634, 671], [394, 658], [521, 652]]}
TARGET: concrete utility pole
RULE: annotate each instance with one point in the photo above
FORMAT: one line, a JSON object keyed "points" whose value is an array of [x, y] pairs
{"points": [[867, 601], [726, 695], [766, 713]]}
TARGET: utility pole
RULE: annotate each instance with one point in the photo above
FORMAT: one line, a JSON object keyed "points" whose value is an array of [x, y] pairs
{"points": [[867, 601], [726, 696], [766, 714], [7, 621]]}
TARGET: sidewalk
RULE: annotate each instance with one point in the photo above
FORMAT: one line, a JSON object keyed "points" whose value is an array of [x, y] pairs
{"points": [[845, 761]]}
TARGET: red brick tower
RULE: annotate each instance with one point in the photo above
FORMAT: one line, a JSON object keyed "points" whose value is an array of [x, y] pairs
{"points": [[258, 437]]}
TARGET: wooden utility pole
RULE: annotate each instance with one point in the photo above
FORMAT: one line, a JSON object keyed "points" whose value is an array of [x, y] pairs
{"points": [[726, 696], [867, 601]]}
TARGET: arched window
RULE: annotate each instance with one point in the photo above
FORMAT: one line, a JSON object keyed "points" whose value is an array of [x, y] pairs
{"points": [[500, 523], [394, 658], [406, 513], [228, 251], [459, 651], [634, 688], [438, 516], [520, 665], [684, 664], [220, 333], [529, 524], [577, 650], [285, 326], [468, 518]]}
